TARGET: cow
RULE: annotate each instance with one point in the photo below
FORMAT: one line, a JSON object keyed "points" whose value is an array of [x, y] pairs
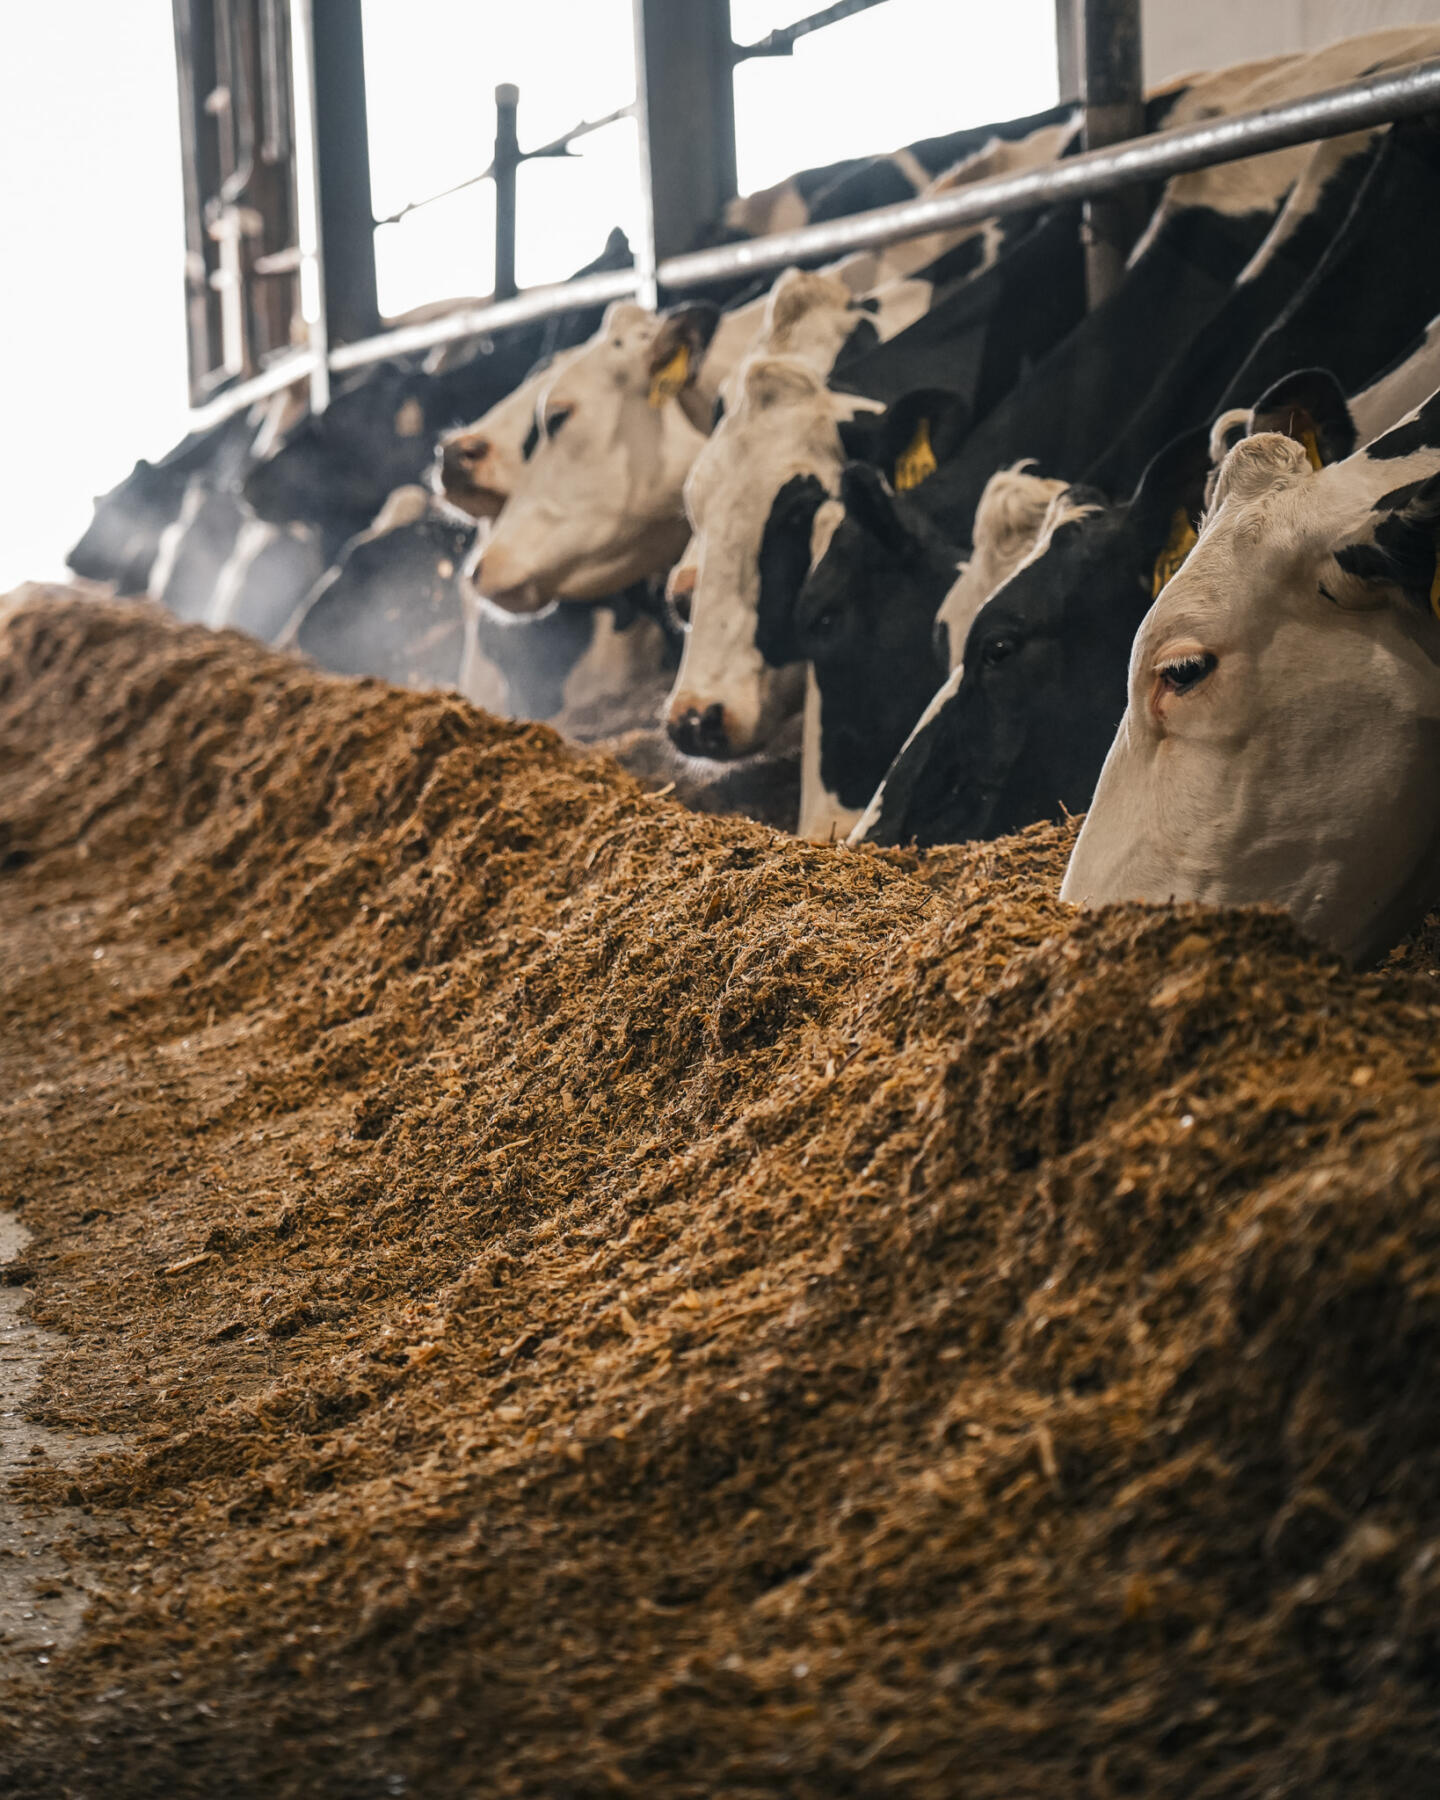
{"points": [[1076, 402], [123, 539], [477, 465], [334, 470], [1282, 726], [1008, 523], [398, 604], [1020, 728], [600, 496]]}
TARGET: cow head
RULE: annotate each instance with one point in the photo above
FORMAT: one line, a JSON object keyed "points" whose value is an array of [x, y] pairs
{"points": [[478, 465], [1007, 526], [785, 423], [597, 503], [862, 617], [1021, 727], [1282, 730]]}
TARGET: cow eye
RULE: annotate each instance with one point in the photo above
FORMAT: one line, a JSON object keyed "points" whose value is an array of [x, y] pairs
{"points": [[1187, 672], [826, 623], [554, 420], [998, 650]]}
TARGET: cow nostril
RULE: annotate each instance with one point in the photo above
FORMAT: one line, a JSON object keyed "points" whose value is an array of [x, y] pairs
{"points": [[711, 730], [684, 730]]}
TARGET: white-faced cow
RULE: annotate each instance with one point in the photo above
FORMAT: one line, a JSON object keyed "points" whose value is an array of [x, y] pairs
{"points": [[1282, 730]]}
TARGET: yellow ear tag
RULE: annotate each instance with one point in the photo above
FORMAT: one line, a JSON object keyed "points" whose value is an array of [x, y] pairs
{"points": [[1178, 546], [670, 377], [916, 460], [1312, 449], [1435, 589]]}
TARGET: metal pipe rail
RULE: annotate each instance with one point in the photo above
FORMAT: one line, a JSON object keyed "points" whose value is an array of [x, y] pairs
{"points": [[1377, 100]]}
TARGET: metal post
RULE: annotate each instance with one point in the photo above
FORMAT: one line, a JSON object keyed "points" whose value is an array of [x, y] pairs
{"points": [[342, 142], [313, 294], [1067, 49], [1114, 112], [686, 113], [507, 161]]}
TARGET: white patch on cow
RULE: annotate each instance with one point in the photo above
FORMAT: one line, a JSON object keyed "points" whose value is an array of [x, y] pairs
{"points": [[911, 167], [824, 819], [1008, 523], [1298, 770], [1400, 389], [829, 516], [162, 570], [253, 537], [778, 208], [999, 157], [410, 419], [482, 681]]}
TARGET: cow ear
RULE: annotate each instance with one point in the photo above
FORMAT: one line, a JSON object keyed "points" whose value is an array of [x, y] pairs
{"points": [[679, 349], [1403, 549], [784, 563], [870, 503], [1309, 407], [919, 432], [1166, 507]]}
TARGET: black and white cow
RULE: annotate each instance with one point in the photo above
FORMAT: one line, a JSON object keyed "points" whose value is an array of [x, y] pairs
{"points": [[398, 604], [1019, 730], [1282, 727], [123, 539]]}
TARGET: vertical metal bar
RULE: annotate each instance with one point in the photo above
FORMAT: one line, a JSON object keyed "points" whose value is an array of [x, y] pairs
{"points": [[1114, 111], [342, 154], [307, 200], [195, 66], [1067, 49], [506, 162], [686, 113]]}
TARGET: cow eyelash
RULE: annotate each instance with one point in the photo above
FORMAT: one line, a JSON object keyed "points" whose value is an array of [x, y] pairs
{"points": [[1185, 673]]}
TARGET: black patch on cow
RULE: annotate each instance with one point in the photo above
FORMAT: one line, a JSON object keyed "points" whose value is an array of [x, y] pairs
{"points": [[532, 441], [1398, 497], [869, 304], [1420, 433], [864, 621], [1403, 552], [957, 264], [862, 339], [784, 563], [717, 412]]}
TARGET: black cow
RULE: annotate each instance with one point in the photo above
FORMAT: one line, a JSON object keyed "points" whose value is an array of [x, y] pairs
{"points": [[1028, 718]]}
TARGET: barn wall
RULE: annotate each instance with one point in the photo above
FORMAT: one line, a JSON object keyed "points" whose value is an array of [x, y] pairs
{"points": [[1181, 35]]}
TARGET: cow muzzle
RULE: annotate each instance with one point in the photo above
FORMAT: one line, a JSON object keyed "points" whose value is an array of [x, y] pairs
{"points": [[459, 475], [700, 732], [496, 581]]}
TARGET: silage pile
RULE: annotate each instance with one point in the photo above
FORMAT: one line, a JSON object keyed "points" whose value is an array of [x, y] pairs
{"points": [[613, 1302]]}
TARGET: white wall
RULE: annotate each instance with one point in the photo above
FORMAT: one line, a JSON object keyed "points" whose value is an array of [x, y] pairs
{"points": [[1181, 35]]}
